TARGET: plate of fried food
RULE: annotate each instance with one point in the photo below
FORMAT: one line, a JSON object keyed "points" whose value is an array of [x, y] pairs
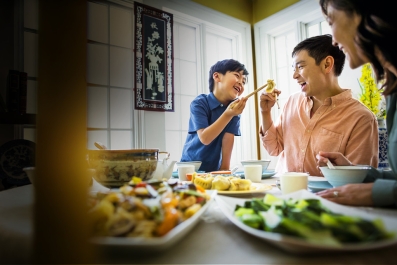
{"points": [[229, 184], [150, 215]]}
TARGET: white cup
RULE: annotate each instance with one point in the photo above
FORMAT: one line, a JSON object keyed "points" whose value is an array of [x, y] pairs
{"points": [[183, 170], [253, 172], [293, 181]]}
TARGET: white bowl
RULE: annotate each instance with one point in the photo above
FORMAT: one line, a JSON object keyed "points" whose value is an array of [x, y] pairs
{"points": [[196, 164], [31, 173], [263, 163], [343, 175]]}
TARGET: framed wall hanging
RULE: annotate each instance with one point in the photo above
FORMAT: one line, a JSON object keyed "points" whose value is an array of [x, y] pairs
{"points": [[154, 66]]}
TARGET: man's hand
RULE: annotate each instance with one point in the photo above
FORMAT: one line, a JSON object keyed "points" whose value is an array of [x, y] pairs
{"points": [[336, 158], [267, 100]]}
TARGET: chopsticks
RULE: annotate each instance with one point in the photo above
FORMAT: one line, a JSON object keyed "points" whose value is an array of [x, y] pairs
{"points": [[270, 83], [256, 90]]}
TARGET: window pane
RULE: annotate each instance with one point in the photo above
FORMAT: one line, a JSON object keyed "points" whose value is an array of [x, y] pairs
{"points": [[313, 30], [281, 52], [325, 28]]}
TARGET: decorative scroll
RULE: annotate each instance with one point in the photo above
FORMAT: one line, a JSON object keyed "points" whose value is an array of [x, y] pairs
{"points": [[154, 66]]}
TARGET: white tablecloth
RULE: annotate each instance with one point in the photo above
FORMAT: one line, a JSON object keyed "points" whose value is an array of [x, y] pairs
{"points": [[215, 240]]}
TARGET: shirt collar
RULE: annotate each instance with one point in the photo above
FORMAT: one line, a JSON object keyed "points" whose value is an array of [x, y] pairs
{"points": [[337, 99], [213, 102]]}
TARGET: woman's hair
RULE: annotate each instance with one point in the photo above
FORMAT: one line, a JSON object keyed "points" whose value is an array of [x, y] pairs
{"points": [[377, 29], [319, 47], [224, 66]]}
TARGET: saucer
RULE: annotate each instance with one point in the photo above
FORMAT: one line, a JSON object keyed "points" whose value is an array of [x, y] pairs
{"points": [[319, 185], [267, 174]]}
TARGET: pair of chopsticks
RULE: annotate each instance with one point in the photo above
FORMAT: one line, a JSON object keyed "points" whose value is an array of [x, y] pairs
{"points": [[269, 83], [270, 88]]}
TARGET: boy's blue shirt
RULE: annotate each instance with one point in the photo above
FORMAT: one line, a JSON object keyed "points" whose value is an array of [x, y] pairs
{"points": [[205, 109]]}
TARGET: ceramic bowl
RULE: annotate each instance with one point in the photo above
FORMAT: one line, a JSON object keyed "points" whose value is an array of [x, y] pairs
{"points": [[196, 164], [30, 171], [343, 175], [263, 163], [115, 168]]}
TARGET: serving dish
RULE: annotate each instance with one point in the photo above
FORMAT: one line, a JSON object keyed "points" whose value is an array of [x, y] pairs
{"points": [[156, 243], [115, 168], [297, 245], [255, 188]]}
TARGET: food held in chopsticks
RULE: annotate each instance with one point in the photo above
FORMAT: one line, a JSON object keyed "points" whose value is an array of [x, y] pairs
{"points": [[270, 84], [270, 90]]}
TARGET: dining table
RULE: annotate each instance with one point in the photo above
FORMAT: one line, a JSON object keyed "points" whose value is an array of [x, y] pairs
{"points": [[213, 240]]}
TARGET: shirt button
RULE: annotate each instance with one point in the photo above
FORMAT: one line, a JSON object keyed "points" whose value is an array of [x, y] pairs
{"points": [[303, 150], [221, 105]]}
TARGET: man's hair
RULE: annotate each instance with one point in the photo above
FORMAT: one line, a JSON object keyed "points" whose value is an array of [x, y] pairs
{"points": [[320, 47], [223, 67]]}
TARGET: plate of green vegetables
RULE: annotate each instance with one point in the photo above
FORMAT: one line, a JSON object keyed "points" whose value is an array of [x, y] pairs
{"points": [[302, 222]]}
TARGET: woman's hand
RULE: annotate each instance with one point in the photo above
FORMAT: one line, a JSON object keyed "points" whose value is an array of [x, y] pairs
{"points": [[336, 159], [350, 194], [267, 100]]}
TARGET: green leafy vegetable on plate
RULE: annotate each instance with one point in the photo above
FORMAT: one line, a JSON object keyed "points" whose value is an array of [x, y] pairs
{"points": [[310, 220]]}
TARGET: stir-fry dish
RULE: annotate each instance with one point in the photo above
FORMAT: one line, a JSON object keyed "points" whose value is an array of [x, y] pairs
{"points": [[144, 209], [310, 220]]}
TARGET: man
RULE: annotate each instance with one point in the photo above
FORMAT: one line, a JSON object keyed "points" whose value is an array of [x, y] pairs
{"points": [[323, 116]]}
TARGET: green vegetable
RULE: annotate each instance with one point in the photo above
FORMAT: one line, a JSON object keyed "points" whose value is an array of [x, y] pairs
{"points": [[252, 220], [249, 217]]}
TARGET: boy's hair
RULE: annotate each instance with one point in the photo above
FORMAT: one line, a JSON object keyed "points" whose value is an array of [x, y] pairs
{"points": [[320, 47], [223, 67]]}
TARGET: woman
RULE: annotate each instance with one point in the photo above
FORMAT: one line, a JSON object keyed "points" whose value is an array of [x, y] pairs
{"points": [[367, 32]]}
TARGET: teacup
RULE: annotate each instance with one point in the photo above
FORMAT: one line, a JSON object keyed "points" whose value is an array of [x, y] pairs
{"points": [[293, 181]]}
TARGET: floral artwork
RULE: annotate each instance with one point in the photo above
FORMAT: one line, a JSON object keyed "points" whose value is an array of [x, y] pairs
{"points": [[153, 59]]}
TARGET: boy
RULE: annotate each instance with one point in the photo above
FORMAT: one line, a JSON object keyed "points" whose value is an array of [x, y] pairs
{"points": [[213, 123]]}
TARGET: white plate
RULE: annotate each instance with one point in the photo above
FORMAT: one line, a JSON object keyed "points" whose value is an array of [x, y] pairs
{"points": [[297, 245], [255, 188], [157, 243]]}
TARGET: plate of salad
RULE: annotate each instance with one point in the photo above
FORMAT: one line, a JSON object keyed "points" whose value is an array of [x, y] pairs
{"points": [[302, 222]]}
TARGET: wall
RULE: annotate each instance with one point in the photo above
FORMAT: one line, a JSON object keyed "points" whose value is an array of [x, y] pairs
{"points": [[240, 9], [265, 8], [253, 10]]}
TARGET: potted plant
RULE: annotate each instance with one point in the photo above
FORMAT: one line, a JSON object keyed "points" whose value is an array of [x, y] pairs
{"points": [[371, 96]]}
